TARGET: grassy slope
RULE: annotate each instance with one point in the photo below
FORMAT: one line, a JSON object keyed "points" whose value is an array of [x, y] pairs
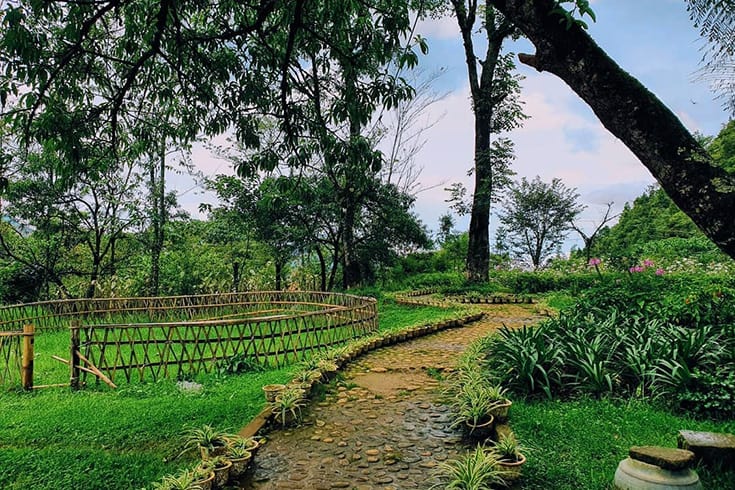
{"points": [[98, 438]]}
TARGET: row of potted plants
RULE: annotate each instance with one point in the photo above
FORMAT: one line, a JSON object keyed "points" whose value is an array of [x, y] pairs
{"points": [[224, 457], [478, 406]]}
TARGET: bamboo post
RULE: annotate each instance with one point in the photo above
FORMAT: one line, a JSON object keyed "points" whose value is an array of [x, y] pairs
{"points": [[73, 355], [26, 373]]}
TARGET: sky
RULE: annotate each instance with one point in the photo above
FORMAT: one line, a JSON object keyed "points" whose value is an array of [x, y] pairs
{"points": [[653, 40]]}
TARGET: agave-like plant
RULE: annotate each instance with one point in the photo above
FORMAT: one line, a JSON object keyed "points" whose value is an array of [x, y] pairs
{"points": [[206, 437], [287, 407], [508, 449], [183, 480], [477, 470]]}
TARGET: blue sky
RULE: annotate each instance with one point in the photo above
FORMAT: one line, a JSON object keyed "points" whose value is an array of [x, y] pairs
{"points": [[653, 40]]}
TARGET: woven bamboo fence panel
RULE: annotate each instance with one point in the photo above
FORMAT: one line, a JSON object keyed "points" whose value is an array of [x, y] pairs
{"points": [[57, 315], [273, 328], [10, 358]]}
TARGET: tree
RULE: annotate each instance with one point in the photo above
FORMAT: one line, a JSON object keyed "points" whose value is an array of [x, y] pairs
{"points": [[536, 217], [716, 21], [688, 174], [494, 91], [65, 228], [82, 74], [590, 239]]}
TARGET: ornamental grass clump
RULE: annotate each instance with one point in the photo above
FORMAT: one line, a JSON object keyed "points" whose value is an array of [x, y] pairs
{"points": [[477, 470]]}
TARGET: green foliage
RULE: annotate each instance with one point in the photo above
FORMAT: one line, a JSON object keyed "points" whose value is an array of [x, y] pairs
{"points": [[99, 440], [722, 147], [237, 364], [646, 335], [578, 7], [477, 470], [652, 217]]}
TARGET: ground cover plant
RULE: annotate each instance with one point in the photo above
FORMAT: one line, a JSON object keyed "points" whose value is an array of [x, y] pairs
{"points": [[126, 438], [645, 336]]}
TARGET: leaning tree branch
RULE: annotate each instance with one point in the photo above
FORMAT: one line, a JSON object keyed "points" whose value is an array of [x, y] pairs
{"points": [[703, 190]]}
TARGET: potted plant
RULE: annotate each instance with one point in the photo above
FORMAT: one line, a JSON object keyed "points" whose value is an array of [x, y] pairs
{"points": [[509, 455], [287, 406], [183, 480], [472, 408], [204, 476], [328, 368], [240, 458], [477, 470], [248, 443], [305, 378], [221, 467], [501, 402], [210, 441], [271, 391]]}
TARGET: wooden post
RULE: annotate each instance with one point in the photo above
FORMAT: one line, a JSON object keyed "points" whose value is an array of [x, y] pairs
{"points": [[73, 356], [26, 373]]}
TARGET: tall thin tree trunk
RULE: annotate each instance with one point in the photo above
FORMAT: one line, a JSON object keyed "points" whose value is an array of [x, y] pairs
{"points": [[158, 194]]}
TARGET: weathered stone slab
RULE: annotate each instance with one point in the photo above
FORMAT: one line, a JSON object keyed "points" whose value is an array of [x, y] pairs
{"points": [[710, 447], [664, 457]]}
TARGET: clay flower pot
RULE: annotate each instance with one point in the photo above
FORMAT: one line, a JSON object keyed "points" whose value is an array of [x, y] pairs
{"points": [[272, 391], [511, 469]]}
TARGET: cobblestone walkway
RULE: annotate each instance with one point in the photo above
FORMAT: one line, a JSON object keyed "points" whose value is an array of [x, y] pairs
{"points": [[383, 427]]}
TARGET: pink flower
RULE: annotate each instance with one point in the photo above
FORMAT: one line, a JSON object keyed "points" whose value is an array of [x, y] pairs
{"points": [[594, 261], [636, 268], [648, 263], [660, 272]]}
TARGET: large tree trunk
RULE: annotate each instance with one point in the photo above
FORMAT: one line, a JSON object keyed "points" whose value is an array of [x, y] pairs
{"points": [[483, 105], [704, 191]]}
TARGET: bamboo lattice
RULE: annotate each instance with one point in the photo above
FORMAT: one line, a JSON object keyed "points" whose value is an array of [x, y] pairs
{"points": [[10, 358], [274, 328]]}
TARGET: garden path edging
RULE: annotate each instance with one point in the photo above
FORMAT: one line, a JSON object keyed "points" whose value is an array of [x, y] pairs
{"points": [[260, 421]]}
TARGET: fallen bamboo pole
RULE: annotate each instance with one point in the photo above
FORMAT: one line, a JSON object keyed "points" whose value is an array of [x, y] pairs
{"points": [[93, 369]]}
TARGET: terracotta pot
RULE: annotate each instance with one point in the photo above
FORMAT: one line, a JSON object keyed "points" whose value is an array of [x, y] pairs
{"points": [[207, 483], [500, 412], [222, 474], [511, 469], [240, 465], [272, 391]]}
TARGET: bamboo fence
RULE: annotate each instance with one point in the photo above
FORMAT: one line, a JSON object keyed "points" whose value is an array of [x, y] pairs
{"points": [[16, 357], [10, 357], [152, 338]]}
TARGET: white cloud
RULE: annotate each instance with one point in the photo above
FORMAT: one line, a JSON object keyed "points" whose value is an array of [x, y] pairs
{"points": [[443, 28], [602, 172]]}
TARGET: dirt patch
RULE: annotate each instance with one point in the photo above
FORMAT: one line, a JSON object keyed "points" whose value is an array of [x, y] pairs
{"points": [[391, 382]]}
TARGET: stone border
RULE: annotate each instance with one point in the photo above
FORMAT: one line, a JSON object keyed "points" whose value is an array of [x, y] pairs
{"points": [[362, 346]]}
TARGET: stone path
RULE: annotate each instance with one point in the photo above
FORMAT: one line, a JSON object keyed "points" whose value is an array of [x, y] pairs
{"points": [[383, 427]]}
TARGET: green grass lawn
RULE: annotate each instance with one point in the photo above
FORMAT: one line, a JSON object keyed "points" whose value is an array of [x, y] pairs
{"points": [[99, 438], [578, 444]]}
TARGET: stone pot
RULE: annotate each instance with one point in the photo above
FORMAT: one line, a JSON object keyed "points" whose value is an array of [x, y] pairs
{"points": [[206, 483], [633, 475], [240, 465], [222, 474]]}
